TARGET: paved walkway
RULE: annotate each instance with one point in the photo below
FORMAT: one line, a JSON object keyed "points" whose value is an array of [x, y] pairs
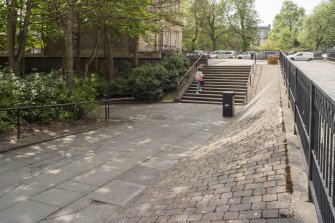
{"points": [[91, 174], [170, 163], [321, 72]]}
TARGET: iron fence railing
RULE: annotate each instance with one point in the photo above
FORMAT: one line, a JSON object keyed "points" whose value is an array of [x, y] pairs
{"points": [[314, 117], [72, 108]]}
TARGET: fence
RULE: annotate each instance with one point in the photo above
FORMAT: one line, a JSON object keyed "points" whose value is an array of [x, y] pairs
{"points": [[314, 117], [69, 107]]}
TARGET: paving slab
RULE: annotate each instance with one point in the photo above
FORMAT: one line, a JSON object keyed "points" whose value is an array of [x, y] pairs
{"points": [[93, 213], [77, 187], [72, 208], [57, 197], [26, 212], [116, 192], [140, 175], [142, 153], [98, 176], [18, 194], [161, 163]]}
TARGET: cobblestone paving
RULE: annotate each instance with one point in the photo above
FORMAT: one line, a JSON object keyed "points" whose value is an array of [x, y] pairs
{"points": [[240, 176]]}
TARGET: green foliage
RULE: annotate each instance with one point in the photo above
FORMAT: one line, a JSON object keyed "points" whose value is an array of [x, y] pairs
{"points": [[147, 82], [176, 61], [119, 87], [287, 24], [318, 29], [9, 97]]}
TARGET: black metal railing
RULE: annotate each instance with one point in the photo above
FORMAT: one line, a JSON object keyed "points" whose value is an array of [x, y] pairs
{"points": [[188, 78], [72, 108], [314, 117]]}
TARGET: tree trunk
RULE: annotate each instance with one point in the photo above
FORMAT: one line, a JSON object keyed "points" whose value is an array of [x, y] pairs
{"points": [[108, 55], [78, 43], [16, 57], [135, 52], [94, 53], [68, 69]]}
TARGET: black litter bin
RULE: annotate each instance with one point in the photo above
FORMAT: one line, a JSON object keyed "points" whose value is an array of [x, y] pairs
{"points": [[228, 103], [252, 55]]}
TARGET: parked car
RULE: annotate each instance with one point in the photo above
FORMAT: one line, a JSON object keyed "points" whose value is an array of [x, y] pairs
{"points": [[265, 54], [197, 54], [246, 55], [226, 55], [307, 56], [214, 54]]}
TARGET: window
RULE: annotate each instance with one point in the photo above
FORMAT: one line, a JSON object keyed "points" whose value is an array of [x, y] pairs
{"points": [[168, 37], [176, 39]]}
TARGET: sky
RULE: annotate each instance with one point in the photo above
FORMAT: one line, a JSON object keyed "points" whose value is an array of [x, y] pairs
{"points": [[268, 9]]}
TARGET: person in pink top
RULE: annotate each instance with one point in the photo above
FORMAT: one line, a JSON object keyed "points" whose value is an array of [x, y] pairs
{"points": [[199, 77]]}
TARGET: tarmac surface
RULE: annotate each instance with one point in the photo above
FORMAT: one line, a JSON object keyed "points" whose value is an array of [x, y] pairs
{"points": [[170, 162]]}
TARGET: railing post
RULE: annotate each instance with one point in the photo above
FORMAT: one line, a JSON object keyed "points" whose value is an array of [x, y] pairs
{"points": [[295, 101], [18, 123], [311, 132], [106, 111], [74, 114]]}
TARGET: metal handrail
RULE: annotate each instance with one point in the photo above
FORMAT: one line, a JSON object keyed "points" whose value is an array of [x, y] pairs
{"points": [[313, 111], [186, 77], [18, 110], [190, 69]]}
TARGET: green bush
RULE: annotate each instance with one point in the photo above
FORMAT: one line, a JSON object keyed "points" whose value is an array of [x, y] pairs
{"points": [[84, 90], [119, 87], [9, 90], [145, 84], [177, 62], [40, 89]]}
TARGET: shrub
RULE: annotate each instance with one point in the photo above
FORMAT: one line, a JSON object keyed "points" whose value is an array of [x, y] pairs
{"points": [[9, 89], [40, 89], [118, 87], [273, 59], [176, 61], [84, 90], [145, 82]]}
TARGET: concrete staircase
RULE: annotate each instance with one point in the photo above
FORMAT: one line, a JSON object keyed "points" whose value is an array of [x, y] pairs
{"points": [[219, 79]]}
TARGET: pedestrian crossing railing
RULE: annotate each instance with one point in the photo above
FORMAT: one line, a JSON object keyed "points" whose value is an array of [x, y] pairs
{"points": [[314, 117]]}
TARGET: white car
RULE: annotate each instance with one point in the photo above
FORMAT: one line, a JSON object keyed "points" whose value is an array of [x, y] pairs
{"points": [[214, 54], [246, 55], [226, 55], [307, 56]]}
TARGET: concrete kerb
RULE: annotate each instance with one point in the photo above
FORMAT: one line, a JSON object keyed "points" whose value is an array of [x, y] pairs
{"points": [[304, 210]]}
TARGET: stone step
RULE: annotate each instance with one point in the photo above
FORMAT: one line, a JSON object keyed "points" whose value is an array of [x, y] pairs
{"points": [[213, 96], [237, 93], [217, 80], [209, 102], [221, 86]]}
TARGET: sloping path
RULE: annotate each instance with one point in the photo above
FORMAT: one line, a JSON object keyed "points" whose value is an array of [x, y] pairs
{"points": [[242, 175], [88, 176]]}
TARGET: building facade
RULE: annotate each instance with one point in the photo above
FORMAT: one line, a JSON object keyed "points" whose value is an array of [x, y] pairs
{"points": [[262, 34], [170, 36]]}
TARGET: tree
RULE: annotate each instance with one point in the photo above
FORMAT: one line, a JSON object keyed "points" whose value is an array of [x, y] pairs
{"points": [[192, 27], [287, 24], [243, 20], [318, 31], [213, 22], [18, 20]]}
